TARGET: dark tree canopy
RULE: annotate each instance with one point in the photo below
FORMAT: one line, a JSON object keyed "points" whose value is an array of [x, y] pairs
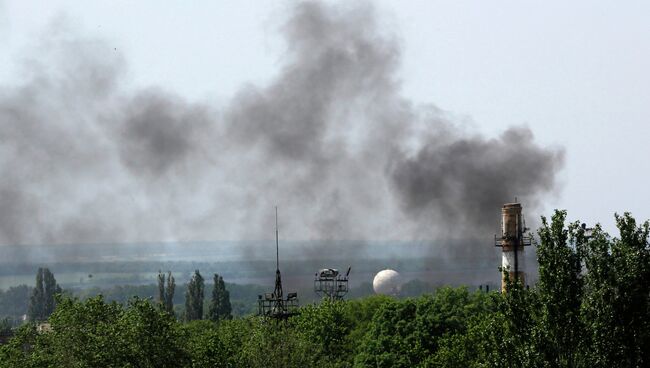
{"points": [[220, 307], [166, 289], [194, 297], [42, 302]]}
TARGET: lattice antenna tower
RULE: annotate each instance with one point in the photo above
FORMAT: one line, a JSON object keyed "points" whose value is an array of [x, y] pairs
{"points": [[330, 284], [274, 304]]}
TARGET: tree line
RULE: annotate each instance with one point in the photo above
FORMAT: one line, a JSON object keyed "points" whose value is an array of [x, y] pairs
{"points": [[14, 301], [220, 307], [42, 301], [590, 308]]}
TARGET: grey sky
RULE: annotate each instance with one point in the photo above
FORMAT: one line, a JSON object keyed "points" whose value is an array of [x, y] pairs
{"points": [[574, 72]]}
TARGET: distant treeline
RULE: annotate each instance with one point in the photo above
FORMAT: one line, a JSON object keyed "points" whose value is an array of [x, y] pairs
{"points": [[248, 268], [15, 300]]}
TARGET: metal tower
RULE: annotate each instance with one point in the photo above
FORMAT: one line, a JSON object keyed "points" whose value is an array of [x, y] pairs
{"points": [[330, 284], [274, 304]]}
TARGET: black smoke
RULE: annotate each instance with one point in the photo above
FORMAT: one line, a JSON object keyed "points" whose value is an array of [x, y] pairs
{"points": [[331, 140], [459, 182]]}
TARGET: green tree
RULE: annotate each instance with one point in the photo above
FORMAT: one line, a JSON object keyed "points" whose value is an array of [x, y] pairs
{"points": [[361, 311], [22, 351], [480, 346], [276, 344], [151, 336], [14, 301], [205, 346], [194, 297], [405, 333], [94, 333], [235, 336], [5, 327], [615, 306], [517, 332], [220, 307], [327, 326], [42, 302], [560, 291], [35, 310], [166, 289]]}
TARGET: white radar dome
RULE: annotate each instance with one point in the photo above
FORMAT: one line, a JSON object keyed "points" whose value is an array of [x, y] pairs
{"points": [[387, 282]]}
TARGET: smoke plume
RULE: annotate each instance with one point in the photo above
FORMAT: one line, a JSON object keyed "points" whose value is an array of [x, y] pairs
{"points": [[330, 139]]}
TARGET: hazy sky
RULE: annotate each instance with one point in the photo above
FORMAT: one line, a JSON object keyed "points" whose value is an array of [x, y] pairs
{"points": [[575, 72]]}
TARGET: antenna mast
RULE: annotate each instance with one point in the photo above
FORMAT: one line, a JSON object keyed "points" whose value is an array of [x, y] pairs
{"points": [[275, 304], [277, 247]]}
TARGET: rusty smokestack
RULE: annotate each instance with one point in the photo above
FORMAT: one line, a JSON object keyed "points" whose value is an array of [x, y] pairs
{"points": [[512, 242]]}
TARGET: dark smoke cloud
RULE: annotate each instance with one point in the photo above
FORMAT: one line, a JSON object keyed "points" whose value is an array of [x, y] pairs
{"points": [[158, 132], [330, 139], [459, 182]]}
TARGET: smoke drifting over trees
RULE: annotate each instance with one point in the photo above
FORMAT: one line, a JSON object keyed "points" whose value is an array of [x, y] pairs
{"points": [[330, 140]]}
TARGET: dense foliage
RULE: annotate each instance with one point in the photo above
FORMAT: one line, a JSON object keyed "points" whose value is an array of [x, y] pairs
{"points": [[220, 307], [243, 297], [14, 301], [590, 308], [166, 289], [42, 302], [194, 297]]}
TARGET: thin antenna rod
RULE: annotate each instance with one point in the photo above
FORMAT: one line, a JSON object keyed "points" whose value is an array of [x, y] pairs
{"points": [[277, 247]]}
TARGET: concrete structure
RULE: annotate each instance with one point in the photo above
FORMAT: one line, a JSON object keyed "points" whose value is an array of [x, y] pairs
{"points": [[512, 242]]}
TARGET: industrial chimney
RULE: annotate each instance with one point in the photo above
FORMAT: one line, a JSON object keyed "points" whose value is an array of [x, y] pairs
{"points": [[512, 242]]}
